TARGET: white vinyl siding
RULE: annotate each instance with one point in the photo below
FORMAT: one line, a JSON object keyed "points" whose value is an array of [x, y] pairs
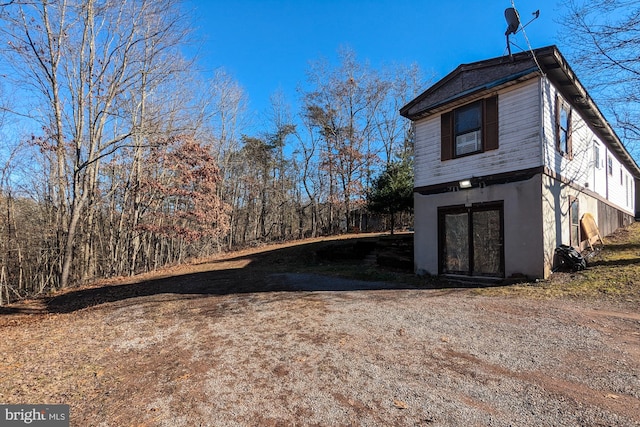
{"points": [[427, 152], [617, 193], [598, 181], [577, 166], [519, 141], [581, 169], [527, 140]]}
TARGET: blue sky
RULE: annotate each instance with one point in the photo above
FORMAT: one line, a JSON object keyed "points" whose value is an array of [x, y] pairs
{"points": [[266, 45]]}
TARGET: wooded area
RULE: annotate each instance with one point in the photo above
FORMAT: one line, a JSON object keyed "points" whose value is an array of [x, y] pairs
{"points": [[119, 157]]}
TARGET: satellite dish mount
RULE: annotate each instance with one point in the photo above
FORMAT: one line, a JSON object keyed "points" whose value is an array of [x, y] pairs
{"points": [[513, 23]]}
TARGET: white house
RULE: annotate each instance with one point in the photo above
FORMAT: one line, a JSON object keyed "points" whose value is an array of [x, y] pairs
{"points": [[510, 153]]}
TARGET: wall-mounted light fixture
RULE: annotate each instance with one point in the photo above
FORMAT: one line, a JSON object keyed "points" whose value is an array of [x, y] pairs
{"points": [[465, 183]]}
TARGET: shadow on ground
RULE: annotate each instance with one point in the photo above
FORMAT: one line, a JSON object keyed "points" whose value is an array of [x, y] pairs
{"points": [[281, 270], [614, 262]]}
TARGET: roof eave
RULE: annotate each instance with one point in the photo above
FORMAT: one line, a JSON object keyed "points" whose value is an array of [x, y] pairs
{"points": [[556, 68], [476, 92], [561, 73]]}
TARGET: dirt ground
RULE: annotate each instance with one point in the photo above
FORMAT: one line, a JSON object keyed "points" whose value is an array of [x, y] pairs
{"points": [[232, 343]]}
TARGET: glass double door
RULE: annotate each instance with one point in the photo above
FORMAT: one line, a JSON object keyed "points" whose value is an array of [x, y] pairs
{"points": [[472, 240]]}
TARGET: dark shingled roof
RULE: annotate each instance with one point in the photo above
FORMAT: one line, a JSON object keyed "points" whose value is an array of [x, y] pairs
{"points": [[470, 81]]}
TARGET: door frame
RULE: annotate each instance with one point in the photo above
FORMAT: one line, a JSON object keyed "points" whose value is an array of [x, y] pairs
{"points": [[469, 210]]}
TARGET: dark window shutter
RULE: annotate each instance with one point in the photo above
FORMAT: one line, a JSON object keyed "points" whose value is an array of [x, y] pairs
{"points": [[569, 135], [558, 106], [490, 125], [446, 137]]}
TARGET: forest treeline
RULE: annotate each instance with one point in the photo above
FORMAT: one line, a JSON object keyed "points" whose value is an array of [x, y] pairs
{"points": [[120, 157]]}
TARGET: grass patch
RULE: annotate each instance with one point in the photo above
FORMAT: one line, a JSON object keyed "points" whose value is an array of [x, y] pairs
{"points": [[613, 273]]}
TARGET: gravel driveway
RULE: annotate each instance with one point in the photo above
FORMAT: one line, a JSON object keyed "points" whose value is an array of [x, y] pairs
{"points": [[329, 352]]}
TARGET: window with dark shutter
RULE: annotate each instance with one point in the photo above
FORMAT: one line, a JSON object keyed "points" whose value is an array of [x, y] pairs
{"points": [[563, 128], [470, 129]]}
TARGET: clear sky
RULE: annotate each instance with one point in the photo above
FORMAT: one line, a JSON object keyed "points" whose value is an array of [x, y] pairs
{"points": [[266, 45]]}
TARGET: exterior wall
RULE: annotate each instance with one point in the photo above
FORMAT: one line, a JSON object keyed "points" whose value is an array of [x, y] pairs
{"points": [[523, 241], [619, 185], [519, 141], [556, 197], [598, 180], [636, 184], [582, 170], [610, 218]]}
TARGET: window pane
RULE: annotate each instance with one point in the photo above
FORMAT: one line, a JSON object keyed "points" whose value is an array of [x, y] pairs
{"points": [[563, 141], [574, 213], [456, 246], [575, 223], [564, 122], [487, 243], [564, 129], [468, 118]]}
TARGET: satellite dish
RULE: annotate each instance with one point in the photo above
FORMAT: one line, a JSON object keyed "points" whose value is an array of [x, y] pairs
{"points": [[513, 21]]}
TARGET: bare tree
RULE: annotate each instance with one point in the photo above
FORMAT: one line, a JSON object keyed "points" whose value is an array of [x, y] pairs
{"points": [[309, 175], [604, 41], [84, 59], [353, 110], [224, 121], [390, 127], [284, 194]]}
